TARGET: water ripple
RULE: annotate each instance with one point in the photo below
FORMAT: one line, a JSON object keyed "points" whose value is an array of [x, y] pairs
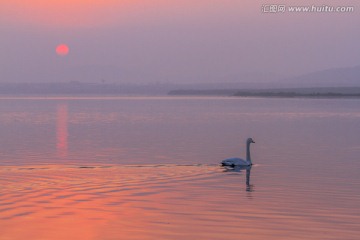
{"points": [[114, 200]]}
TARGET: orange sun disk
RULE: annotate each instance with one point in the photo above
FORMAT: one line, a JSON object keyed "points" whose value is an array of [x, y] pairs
{"points": [[62, 50]]}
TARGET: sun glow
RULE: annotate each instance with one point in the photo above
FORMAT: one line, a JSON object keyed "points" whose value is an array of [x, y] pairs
{"points": [[68, 13], [65, 13], [85, 13], [62, 50]]}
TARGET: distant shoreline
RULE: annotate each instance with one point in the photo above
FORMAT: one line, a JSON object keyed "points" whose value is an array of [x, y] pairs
{"points": [[108, 89], [341, 92], [297, 95]]}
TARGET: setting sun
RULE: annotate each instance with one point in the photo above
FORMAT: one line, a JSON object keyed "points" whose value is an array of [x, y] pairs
{"points": [[62, 50]]}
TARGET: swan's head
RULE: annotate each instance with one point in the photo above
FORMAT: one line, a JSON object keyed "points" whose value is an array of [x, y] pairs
{"points": [[250, 140]]}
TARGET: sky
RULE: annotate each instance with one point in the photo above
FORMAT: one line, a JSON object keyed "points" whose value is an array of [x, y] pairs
{"points": [[172, 41]]}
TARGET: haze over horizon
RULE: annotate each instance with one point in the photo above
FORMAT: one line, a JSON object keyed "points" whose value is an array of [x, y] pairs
{"points": [[179, 41]]}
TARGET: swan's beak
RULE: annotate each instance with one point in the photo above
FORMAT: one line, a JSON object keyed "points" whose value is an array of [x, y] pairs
{"points": [[253, 141]]}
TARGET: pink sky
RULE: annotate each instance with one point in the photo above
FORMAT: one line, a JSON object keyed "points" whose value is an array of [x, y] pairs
{"points": [[178, 40], [96, 13]]}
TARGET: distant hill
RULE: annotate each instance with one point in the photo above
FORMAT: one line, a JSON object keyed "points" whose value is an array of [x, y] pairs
{"points": [[330, 78], [101, 80], [335, 77]]}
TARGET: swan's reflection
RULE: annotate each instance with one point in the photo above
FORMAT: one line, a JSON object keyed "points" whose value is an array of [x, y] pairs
{"points": [[249, 187]]}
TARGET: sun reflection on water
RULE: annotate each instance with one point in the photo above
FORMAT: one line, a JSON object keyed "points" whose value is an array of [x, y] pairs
{"points": [[62, 130]]}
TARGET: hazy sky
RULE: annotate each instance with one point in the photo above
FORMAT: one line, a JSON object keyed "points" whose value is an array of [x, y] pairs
{"points": [[142, 41]]}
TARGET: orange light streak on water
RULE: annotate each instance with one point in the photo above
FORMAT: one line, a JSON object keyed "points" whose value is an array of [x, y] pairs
{"points": [[62, 130]]}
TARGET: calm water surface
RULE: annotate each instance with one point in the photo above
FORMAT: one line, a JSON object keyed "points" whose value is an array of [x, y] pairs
{"points": [[102, 168]]}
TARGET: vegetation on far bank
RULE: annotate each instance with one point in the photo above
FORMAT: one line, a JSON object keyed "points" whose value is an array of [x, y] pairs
{"points": [[295, 94], [340, 92]]}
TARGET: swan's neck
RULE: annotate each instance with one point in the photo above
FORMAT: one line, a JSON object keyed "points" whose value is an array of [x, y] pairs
{"points": [[248, 157]]}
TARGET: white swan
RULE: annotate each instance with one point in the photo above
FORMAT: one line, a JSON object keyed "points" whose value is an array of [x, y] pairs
{"points": [[232, 162]]}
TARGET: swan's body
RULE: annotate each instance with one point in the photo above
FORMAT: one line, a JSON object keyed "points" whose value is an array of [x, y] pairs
{"points": [[233, 162]]}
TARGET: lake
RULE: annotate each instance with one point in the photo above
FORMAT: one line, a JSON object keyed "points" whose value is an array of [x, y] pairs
{"points": [[101, 168]]}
